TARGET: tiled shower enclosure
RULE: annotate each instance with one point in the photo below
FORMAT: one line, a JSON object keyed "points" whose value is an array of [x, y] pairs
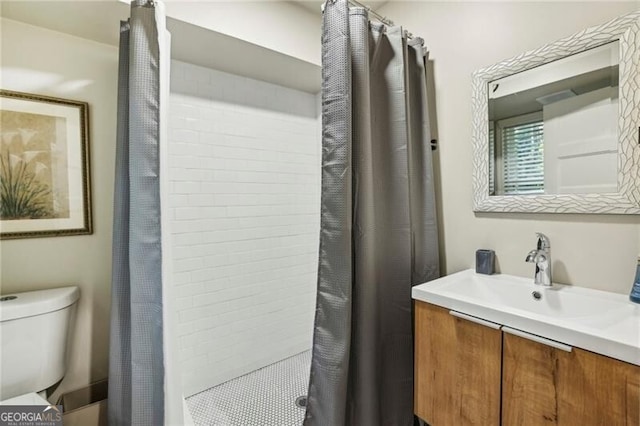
{"points": [[244, 160]]}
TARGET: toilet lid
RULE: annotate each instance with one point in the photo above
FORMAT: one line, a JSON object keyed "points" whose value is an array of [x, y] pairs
{"points": [[26, 399]]}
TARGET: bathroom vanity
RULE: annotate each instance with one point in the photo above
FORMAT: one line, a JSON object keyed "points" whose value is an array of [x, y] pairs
{"points": [[499, 350]]}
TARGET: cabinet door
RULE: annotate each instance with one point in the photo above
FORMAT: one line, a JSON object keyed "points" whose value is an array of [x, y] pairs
{"points": [[543, 385], [457, 369]]}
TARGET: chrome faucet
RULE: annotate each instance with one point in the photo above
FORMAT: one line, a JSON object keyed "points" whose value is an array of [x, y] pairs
{"points": [[541, 256]]}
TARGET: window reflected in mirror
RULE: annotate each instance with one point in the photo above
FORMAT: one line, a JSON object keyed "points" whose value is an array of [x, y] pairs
{"points": [[554, 129]]}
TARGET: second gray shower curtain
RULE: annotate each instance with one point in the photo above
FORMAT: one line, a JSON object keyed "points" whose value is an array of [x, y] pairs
{"points": [[378, 221], [144, 387]]}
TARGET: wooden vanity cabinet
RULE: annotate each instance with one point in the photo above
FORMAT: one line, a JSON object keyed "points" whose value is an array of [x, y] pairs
{"points": [[457, 369], [472, 374], [543, 385]]}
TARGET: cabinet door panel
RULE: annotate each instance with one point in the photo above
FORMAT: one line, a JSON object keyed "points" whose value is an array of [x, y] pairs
{"points": [[528, 383], [546, 386], [633, 399], [457, 365]]}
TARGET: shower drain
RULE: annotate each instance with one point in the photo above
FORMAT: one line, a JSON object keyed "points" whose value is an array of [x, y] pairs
{"points": [[301, 401]]}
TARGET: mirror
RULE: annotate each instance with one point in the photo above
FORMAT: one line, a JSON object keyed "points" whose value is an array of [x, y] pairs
{"points": [[553, 129], [556, 129]]}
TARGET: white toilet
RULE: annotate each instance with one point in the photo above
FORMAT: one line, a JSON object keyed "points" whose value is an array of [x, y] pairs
{"points": [[34, 329]]}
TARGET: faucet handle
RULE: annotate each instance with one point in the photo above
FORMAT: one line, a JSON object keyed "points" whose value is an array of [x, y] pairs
{"points": [[543, 241]]}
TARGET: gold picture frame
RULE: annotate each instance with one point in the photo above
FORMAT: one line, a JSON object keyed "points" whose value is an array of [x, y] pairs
{"points": [[45, 188]]}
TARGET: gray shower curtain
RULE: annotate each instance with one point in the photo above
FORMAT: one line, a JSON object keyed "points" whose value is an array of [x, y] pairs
{"points": [[137, 355], [378, 233]]}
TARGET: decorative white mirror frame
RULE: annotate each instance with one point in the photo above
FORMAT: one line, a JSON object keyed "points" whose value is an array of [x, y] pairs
{"points": [[626, 29]]}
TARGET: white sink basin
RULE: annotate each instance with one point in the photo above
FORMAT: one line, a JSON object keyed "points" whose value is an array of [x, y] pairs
{"points": [[599, 321], [560, 300]]}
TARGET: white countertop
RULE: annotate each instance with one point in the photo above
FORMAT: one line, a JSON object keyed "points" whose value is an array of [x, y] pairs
{"points": [[598, 321]]}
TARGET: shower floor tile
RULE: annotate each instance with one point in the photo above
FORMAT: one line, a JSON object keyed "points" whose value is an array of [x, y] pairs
{"points": [[265, 397]]}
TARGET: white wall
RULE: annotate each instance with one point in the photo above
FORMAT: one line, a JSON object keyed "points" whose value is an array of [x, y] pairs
{"points": [[245, 181], [39, 61], [591, 251], [277, 25]]}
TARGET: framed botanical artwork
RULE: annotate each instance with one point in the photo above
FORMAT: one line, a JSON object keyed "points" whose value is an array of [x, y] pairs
{"points": [[44, 166]]}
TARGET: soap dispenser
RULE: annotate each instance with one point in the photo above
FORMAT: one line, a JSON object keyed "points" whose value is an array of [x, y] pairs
{"points": [[635, 290]]}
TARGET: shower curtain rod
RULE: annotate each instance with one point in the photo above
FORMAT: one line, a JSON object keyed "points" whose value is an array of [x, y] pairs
{"points": [[375, 14], [379, 17]]}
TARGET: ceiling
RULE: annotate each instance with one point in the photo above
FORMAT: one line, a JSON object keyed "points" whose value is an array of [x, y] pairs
{"points": [[315, 6], [525, 101]]}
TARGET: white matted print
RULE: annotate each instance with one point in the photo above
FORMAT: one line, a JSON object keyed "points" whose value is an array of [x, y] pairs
{"points": [[44, 166]]}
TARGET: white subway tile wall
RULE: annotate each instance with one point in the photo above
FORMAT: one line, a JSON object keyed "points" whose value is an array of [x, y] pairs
{"points": [[244, 160]]}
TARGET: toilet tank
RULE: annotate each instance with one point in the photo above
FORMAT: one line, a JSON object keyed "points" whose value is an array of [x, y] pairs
{"points": [[34, 330]]}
